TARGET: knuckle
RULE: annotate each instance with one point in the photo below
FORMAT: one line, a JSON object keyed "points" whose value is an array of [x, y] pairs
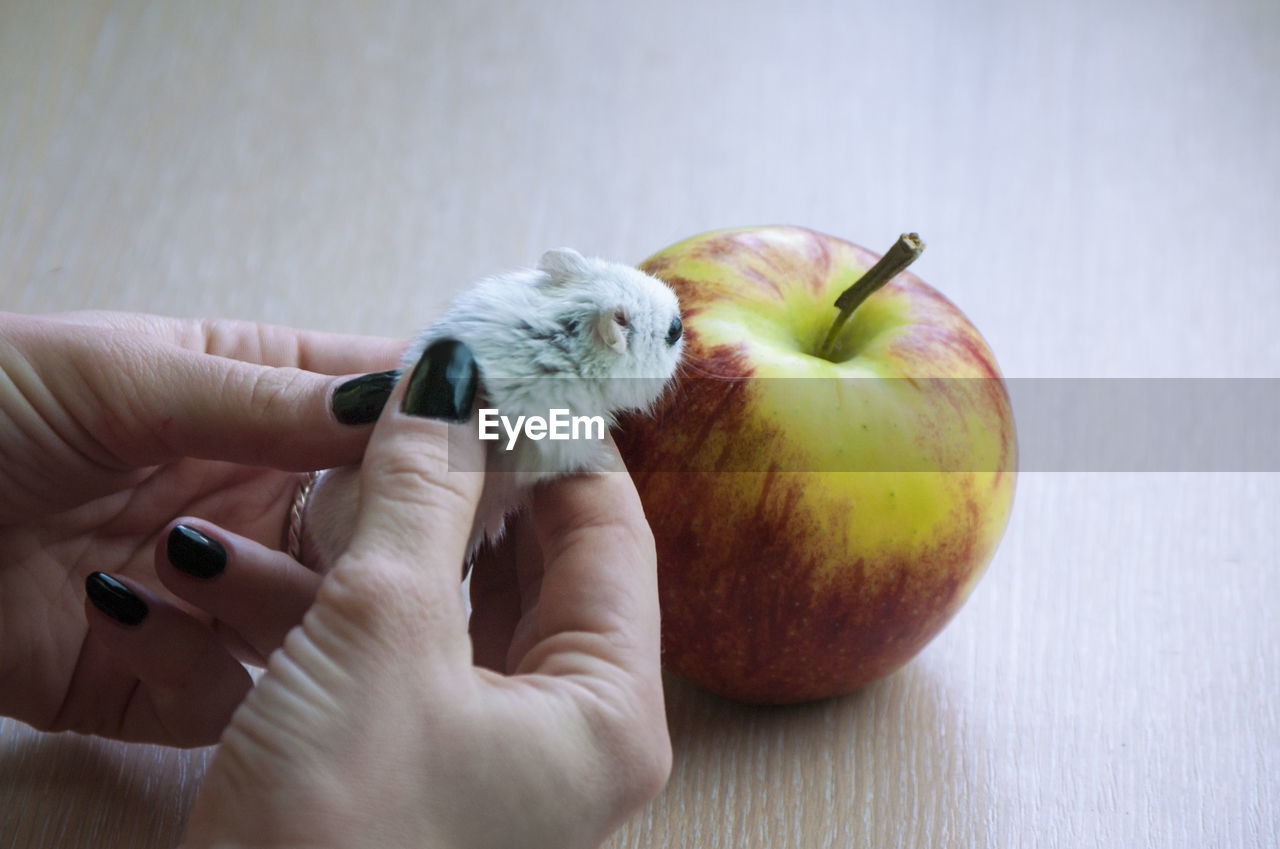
{"points": [[641, 775], [420, 483], [651, 767], [412, 507], [264, 400], [273, 393], [388, 600], [416, 470], [634, 745]]}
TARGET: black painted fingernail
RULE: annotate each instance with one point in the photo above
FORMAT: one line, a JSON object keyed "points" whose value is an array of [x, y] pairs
{"points": [[360, 400], [195, 553], [115, 599], [443, 383]]}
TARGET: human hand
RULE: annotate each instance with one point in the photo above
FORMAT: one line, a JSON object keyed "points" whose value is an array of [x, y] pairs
{"points": [[110, 425], [382, 722]]}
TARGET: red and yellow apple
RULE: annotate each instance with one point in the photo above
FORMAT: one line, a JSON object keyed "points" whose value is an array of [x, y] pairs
{"points": [[820, 510]]}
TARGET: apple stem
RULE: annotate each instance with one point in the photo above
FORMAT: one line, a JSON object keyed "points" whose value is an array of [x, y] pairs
{"points": [[903, 253]]}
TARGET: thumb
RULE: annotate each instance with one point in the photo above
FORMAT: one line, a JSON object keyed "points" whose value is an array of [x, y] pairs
{"points": [[422, 473]]}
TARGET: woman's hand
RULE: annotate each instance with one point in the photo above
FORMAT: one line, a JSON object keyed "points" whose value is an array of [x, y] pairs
{"points": [[111, 424], [382, 723]]}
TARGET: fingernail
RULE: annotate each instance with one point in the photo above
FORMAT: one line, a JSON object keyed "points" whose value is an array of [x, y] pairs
{"points": [[195, 553], [360, 400], [443, 383], [115, 599]]}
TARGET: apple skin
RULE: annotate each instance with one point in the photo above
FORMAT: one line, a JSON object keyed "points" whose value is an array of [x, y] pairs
{"points": [[813, 535]]}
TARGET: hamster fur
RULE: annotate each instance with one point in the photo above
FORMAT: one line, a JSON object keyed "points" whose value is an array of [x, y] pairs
{"points": [[593, 337]]}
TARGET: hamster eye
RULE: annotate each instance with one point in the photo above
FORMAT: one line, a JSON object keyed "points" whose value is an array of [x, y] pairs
{"points": [[674, 331], [621, 318]]}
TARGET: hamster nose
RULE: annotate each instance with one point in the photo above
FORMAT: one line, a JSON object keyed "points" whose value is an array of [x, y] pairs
{"points": [[674, 331]]}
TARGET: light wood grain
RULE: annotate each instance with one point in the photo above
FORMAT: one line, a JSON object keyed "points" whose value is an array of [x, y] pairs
{"points": [[1099, 186]]}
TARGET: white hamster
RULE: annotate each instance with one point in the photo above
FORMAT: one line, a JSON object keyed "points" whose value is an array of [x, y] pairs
{"points": [[584, 335]]}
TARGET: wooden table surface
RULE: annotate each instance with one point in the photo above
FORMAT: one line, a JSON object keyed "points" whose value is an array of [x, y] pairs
{"points": [[1099, 185]]}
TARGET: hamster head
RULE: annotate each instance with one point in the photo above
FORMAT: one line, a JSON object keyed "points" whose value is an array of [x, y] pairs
{"points": [[626, 324]]}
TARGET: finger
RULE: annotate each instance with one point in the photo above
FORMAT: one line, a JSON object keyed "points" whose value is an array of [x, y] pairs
{"points": [[188, 685], [597, 593], [254, 342], [423, 467], [149, 402], [256, 593], [420, 483]]}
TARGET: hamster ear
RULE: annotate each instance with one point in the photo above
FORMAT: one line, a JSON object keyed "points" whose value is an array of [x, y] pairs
{"points": [[561, 263], [611, 328]]}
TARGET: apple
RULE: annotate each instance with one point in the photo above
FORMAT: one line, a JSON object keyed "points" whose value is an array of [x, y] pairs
{"points": [[823, 495]]}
